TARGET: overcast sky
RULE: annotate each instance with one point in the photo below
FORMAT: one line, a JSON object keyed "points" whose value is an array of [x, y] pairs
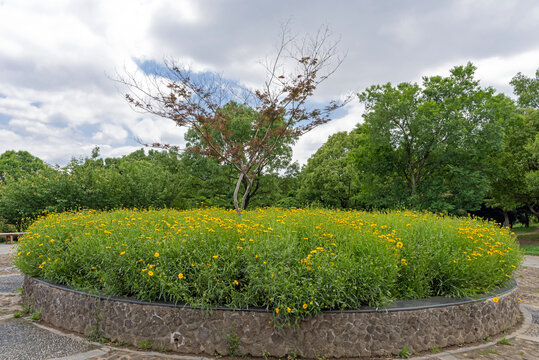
{"points": [[57, 99]]}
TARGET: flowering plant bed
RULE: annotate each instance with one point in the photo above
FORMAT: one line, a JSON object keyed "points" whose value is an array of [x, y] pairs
{"points": [[292, 262]]}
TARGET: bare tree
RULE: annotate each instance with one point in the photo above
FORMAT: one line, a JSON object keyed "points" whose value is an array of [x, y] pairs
{"points": [[281, 110]]}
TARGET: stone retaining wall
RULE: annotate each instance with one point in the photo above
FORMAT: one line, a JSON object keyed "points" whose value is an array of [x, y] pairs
{"points": [[331, 334]]}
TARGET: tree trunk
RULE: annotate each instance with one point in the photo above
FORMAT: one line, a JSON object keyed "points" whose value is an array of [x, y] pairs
{"points": [[236, 191], [533, 211], [506, 219]]}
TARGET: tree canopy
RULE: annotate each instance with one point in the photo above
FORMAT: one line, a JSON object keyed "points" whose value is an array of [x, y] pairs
{"points": [[278, 111]]}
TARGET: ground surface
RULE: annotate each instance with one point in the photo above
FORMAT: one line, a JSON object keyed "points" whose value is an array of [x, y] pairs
{"points": [[23, 339]]}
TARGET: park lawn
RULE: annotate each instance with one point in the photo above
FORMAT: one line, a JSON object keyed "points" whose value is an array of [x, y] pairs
{"points": [[530, 249]]}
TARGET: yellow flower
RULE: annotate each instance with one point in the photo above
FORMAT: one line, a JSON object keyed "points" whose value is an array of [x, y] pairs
{"points": [[236, 282], [276, 310], [122, 253], [399, 245], [403, 262], [495, 299], [150, 273], [156, 254], [519, 299], [215, 256], [180, 276], [288, 309], [305, 306]]}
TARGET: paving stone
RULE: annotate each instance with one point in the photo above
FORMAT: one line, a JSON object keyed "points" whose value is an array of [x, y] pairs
{"points": [[20, 340], [10, 283]]}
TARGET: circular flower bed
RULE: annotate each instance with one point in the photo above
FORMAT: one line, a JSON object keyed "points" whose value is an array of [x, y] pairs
{"points": [[293, 262]]}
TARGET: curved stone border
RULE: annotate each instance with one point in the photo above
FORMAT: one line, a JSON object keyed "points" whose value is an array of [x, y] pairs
{"points": [[188, 330]]}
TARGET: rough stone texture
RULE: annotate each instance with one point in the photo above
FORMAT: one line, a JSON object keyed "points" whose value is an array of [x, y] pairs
{"points": [[528, 284], [346, 334], [6, 267], [10, 303]]}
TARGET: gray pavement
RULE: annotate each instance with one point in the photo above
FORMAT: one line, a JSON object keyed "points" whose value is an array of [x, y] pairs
{"points": [[531, 261], [10, 283], [20, 340], [8, 248]]}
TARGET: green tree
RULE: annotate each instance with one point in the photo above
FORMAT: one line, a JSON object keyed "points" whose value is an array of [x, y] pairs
{"points": [[427, 144], [280, 108], [513, 168], [18, 164], [220, 177], [329, 178], [527, 90]]}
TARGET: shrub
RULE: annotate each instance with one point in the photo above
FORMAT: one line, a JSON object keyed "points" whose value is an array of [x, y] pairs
{"points": [[293, 262]]}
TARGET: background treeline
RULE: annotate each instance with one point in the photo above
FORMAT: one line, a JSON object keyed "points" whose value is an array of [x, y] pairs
{"points": [[447, 145]]}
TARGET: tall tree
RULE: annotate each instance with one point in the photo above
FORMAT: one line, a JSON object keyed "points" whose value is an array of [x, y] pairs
{"points": [[433, 138], [527, 90], [281, 105], [17, 164], [329, 177]]}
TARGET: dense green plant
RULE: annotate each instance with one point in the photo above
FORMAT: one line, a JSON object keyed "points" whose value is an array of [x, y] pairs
{"points": [[294, 262], [427, 146], [329, 178]]}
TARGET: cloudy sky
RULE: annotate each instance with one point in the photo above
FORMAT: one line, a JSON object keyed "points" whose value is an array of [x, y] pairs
{"points": [[57, 58]]}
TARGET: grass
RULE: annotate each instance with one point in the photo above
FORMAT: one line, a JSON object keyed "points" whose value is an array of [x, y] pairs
{"points": [[292, 262], [504, 341], [530, 249], [521, 230]]}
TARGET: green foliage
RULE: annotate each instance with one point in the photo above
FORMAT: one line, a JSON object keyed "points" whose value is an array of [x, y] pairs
{"points": [[19, 164], [530, 250], [5, 227], [426, 147], [294, 262], [514, 168], [17, 314], [405, 352], [145, 344], [233, 343], [36, 316], [329, 178], [504, 341], [136, 180], [527, 90]]}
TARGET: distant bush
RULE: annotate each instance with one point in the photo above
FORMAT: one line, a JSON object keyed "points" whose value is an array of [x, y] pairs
{"points": [[5, 227], [294, 262]]}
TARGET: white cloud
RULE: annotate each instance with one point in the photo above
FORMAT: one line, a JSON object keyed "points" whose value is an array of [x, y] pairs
{"points": [[310, 142], [58, 57], [496, 71]]}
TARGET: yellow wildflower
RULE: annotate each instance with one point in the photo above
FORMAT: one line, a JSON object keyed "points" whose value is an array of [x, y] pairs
{"points": [[180, 276]]}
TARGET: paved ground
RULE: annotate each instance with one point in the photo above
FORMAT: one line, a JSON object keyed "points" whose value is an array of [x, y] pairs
{"points": [[22, 339]]}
